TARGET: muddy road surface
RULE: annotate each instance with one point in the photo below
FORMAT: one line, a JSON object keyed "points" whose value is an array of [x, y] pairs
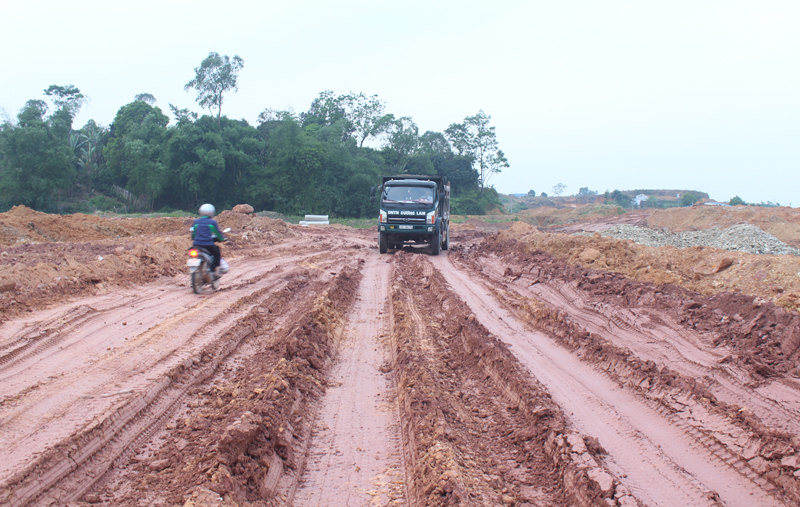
{"points": [[325, 374]]}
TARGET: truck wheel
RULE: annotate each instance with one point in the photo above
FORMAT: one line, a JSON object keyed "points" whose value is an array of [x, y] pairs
{"points": [[383, 242], [446, 239], [436, 243]]}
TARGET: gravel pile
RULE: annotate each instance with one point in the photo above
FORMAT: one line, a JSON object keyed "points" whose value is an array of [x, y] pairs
{"points": [[742, 238]]}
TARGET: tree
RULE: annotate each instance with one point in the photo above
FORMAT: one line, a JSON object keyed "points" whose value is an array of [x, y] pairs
{"points": [[434, 143], [586, 191], [181, 115], [403, 136], [215, 76], [135, 153], [66, 97], [531, 193], [366, 115], [737, 201], [558, 189], [689, 199], [37, 160], [147, 98], [476, 138], [543, 194]]}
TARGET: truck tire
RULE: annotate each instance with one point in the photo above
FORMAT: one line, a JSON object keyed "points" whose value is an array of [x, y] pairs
{"points": [[383, 242], [446, 238], [436, 242]]}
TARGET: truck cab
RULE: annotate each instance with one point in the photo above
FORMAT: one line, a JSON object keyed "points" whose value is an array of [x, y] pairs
{"points": [[413, 209]]}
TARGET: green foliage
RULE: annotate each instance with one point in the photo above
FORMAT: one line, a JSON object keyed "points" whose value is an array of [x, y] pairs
{"points": [[147, 98], [36, 160], [215, 76], [736, 201], [66, 97], [651, 202], [135, 152], [315, 162], [476, 202], [689, 198], [476, 139], [531, 193]]}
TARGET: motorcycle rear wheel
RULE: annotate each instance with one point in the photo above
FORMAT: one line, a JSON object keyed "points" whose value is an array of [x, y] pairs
{"points": [[197, 281]]}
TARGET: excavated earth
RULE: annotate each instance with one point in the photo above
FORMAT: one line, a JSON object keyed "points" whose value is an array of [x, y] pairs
{"points": [[516, 369]]}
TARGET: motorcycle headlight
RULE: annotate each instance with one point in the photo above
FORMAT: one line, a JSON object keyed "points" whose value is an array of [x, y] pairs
{"points": [[430, 218], [383, 217]]}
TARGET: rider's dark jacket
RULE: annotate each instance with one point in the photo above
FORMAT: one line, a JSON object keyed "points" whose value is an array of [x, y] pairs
{"points": [[205, 231]]}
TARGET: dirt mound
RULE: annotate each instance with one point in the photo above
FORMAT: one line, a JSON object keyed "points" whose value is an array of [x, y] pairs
{"points": [[51, 256], [22, 225], [772, 277]]}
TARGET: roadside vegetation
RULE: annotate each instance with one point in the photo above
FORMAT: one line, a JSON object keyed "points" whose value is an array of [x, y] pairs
{"points": [[321, 161]]}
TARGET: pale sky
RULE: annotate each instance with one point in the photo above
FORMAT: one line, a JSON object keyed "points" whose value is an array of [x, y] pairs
{"points": [[608, 94]]}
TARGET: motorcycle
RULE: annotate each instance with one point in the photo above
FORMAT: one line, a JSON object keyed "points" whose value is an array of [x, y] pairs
{"points": [[199, 261]]}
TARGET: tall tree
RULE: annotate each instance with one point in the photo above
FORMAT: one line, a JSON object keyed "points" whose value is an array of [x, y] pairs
{"points": [[475, 137], [147, 98], [215, 76], [366, 114], [66, 97]]}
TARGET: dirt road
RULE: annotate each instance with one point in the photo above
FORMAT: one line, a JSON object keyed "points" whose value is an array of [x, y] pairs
{"points": [[324, 373]]}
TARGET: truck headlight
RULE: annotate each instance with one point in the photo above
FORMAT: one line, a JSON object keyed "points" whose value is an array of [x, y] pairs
{"points": [[383, 217], [430, 218]]}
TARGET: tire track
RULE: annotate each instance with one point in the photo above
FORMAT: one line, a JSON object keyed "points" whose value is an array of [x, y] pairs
{"points": [[656, 459]]}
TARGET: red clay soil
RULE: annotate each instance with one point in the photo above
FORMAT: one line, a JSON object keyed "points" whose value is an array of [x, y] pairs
{"points": [[324, 373], [743, 333]]}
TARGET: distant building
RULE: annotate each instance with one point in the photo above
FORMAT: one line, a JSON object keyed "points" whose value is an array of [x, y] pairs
{"points": [[639, 199]]}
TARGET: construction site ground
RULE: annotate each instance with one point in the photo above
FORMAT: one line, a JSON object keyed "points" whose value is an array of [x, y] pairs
{"points": [[521, 367]]}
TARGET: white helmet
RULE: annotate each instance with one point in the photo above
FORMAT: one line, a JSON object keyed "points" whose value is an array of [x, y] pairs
{"points": [[207, 210]]}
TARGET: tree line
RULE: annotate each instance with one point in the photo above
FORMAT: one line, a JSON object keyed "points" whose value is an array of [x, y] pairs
{"points": [[313, 162]]}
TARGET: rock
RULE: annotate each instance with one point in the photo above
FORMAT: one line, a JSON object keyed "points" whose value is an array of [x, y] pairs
{"points": [[576, 443], [316, 362], [723, 265], [603, 479], [92, 498], [243, 208], [203, 497], [759, 465], [238, 436], [159, 465], [790, 461], [7, 286]]}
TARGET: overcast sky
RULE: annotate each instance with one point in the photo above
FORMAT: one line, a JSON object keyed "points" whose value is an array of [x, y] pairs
{"points": [[608, 94]]}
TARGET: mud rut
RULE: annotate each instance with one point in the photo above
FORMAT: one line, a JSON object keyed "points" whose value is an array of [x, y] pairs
{"points": [[326, 374]]}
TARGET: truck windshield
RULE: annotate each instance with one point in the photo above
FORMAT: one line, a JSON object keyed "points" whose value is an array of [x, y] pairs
{"points": [[422, 195]]}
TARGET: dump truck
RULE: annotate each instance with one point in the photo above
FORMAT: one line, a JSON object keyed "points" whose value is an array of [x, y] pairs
{"points": [[413, 209]]}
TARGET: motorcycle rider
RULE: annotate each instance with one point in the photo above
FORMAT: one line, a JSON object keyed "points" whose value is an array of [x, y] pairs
{"points": [[205, 232]]}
